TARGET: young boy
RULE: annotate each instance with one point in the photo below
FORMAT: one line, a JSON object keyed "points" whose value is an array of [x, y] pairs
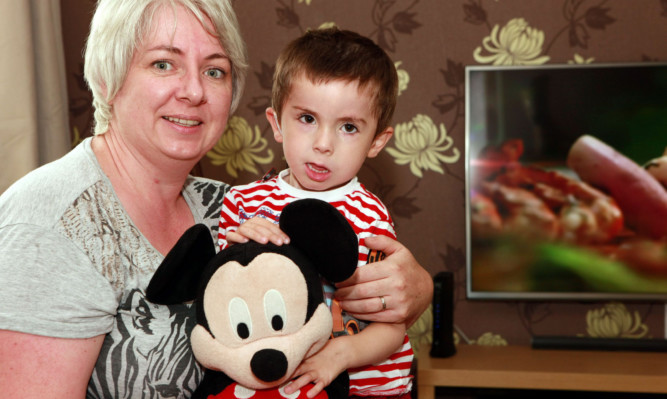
{"points": [[334, 93]]}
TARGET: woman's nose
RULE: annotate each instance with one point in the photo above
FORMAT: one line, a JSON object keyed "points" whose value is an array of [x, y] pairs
{"points": [[192, 88]]}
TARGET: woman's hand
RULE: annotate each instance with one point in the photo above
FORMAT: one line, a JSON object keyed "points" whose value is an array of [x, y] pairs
{"points": [[407, 288], [260, 230]]}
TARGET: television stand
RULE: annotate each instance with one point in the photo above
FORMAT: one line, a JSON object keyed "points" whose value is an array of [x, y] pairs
{"points": [[603, 344], [518, 367]]}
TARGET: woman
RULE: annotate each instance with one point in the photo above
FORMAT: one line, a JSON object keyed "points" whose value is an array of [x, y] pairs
{"points": [[80, 238]]}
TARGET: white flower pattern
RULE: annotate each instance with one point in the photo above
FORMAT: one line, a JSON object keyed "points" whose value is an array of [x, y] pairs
{"points": [[239, 147], [403, 77], [614, 320], [515, 44], [423, 146]]}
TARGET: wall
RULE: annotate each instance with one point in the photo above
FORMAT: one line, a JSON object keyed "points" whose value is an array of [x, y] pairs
{"points": [[421, 175]]}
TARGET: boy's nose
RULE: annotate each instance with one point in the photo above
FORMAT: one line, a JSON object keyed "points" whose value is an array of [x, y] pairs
{"points": [[323, 141]]}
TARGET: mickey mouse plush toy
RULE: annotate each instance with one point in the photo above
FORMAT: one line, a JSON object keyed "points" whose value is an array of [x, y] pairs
{"points": [[260, 307]]}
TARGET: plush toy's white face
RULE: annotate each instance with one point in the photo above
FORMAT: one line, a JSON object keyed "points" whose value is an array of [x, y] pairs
{"points": [[257, 318]]}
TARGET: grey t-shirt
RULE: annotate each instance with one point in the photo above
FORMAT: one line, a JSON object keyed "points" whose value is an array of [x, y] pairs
{"points": [[73, 265]]}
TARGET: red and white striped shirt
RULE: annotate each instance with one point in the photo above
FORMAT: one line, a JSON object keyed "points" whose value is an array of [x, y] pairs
{"points": [[368, 217]]}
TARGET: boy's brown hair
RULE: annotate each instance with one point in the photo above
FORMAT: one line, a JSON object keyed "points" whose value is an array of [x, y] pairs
{"points": [[334, 54]]}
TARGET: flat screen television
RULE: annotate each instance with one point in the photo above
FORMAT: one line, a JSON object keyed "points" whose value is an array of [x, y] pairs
{"points": [[521, 123]]}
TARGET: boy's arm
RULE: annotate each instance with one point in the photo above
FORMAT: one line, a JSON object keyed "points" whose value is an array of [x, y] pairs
{"points": [[229, 221], [373, 344]]}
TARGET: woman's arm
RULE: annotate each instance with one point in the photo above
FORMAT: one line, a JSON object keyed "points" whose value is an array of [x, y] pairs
{"points": [[35, 366], [406, 286]]}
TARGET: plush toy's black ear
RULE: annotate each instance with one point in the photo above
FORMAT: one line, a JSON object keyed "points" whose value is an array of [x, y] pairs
{"points": [[177, 278], [323, 235]]}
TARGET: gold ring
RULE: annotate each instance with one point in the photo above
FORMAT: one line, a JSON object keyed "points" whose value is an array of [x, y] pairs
{"points": [[384, 304]]}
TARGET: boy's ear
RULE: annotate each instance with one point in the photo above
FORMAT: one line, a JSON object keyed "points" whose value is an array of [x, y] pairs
{"points": [[381, 139], [272, 117]]}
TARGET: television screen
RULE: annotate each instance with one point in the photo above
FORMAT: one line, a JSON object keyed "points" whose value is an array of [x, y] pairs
{"points": [[560, 200]]}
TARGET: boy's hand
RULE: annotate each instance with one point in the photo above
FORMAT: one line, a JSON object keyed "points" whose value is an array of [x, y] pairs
{"points": [[260, 230], [320, 369]]}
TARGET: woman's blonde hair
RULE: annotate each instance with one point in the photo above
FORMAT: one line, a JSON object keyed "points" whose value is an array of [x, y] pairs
{"points": [[117, 28]]}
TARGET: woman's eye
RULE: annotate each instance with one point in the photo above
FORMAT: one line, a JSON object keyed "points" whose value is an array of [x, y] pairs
{"points": [[162, 65], [307, 119], [349, 128], [215, 73]]}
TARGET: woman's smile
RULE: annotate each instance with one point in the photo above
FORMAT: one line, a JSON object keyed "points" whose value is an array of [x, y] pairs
{"points": [[182, 122]]}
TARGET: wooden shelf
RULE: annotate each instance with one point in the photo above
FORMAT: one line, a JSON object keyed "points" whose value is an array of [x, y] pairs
{"points": [[521, 367]]}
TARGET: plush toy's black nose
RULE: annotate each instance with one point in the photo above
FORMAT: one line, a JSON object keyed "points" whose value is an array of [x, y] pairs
{"points": [[268, 365]]}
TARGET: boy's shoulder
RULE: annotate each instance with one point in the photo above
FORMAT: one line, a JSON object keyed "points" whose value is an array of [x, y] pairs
{"points": [[370, 199], [362, 190]]}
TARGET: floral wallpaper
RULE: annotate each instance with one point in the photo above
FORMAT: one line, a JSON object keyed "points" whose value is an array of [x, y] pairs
{"points": [[421, 174]]}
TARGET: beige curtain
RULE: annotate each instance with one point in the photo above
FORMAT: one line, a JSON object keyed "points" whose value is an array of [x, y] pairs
{"points": [[33, 89]]}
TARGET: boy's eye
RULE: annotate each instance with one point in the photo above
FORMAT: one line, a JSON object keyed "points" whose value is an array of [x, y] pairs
{"points": [[215, 73], [349, 128], [162, 65], [307, 119]]}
